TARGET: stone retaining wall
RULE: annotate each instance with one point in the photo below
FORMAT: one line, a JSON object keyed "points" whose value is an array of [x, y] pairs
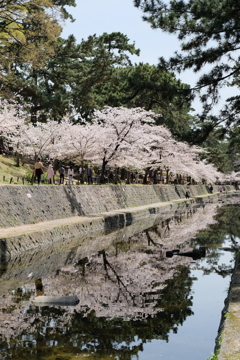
{"points": [[32, 204]]}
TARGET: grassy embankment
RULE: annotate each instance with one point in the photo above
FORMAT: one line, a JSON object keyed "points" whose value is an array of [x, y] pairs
{"points": [[11, 173]]}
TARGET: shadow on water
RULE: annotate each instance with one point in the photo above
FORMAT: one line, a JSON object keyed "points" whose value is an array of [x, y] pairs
{"points": [[130, 293]]}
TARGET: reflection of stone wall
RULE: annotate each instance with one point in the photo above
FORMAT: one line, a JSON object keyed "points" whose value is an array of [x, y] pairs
{"points": [[172, 228], [64, 252], [31, 204]]}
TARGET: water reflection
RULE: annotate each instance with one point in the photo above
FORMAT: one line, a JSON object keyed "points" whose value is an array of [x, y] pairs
{"points": [[129, 292], [195, 254]]}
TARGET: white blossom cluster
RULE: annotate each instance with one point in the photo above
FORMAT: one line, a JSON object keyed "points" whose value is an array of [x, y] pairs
{"points": [[118, 137]]}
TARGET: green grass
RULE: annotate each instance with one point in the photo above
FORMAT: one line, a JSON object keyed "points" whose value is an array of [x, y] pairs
{"points": [[215, 356], [9, 170]]}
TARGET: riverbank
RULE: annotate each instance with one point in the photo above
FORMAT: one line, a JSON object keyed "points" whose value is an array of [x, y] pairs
{"points": [[230, 331], [34, 218]]}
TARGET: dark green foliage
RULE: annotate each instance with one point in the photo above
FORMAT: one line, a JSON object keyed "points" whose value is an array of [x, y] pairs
{"points": [[99, 58], [209, 34], [29, 30], [66, 84], [152, 88], [83, 77]]}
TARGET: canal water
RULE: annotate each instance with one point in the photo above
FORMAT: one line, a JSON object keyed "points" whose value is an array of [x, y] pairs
{"points": [[139, 292]]}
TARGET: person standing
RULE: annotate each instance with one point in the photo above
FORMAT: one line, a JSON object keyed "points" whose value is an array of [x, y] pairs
{"points": [[38, 170], [50, 174], [89, 174], [61, 173], [70, 175], [81, 177]]}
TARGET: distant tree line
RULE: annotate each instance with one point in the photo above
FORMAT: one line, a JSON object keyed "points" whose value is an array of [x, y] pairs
{"points": [[54, 77]]}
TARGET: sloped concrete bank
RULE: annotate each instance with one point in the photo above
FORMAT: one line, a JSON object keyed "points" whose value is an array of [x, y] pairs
{"points": [[228, 345], [22, 205], [35, 216]]}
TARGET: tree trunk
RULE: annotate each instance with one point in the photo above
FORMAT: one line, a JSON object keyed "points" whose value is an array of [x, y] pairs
{"points": [[17, 160], [167, 177], [116, 177], [82, 172], [128, 178], [145, 176]]}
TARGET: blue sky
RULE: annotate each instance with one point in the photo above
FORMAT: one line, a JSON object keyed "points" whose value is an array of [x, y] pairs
{"points": [[99, 16]]}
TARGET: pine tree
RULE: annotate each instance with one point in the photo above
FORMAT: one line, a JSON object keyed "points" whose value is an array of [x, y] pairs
{"points": [[152, 88], [209, 34]]}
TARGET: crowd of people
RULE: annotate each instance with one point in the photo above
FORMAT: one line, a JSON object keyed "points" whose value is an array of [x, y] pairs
{"points": [[65, 174], [89, 175]]}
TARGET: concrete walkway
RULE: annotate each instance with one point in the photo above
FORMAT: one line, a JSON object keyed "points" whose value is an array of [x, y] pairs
{"points": [[51, 224], [44, 225]]}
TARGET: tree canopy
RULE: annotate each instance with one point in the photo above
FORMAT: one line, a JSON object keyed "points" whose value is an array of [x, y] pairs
{"points": [[209, 34], [152, 88], [116, 137], [60, 77], [28, 31], [82, 78]]}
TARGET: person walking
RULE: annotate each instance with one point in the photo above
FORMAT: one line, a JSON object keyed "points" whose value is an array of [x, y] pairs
{"points": [[38, 170], [50, 174], [70, 175], [61, 173]]}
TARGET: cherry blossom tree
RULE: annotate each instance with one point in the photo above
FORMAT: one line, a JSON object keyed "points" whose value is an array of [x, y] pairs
{"points": [[162, 151], [116, 137], [11, 117], [36, 140], [178, 157], [119, 134], [77, 142]]}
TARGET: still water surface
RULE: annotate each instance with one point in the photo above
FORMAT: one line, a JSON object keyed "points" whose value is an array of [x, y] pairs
{"points": [[134, 302]]}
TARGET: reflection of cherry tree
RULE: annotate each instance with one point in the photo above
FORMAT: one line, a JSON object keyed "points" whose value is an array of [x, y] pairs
{"points": [[133, 284]]}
